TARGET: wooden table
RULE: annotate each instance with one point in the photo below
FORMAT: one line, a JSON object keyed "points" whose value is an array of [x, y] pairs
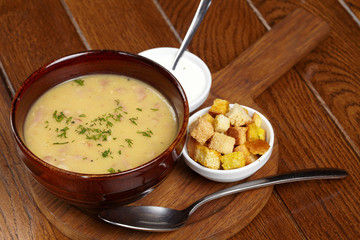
{"points": [[314, 107]]}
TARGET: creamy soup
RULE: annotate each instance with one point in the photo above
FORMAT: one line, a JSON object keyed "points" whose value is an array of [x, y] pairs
{"points": [[100, 124]]}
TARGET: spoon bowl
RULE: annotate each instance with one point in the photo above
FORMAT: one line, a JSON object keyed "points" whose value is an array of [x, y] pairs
{"points": [[161, 219]]}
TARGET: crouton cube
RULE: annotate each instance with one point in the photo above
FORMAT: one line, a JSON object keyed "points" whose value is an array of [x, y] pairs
{"points": [[238, 116], [221, 123], [232, 160], [207, 157], [249, 157], [201, 130], [256, 119], [258, 146], [222, 143], [191, 146], [208, 118], [219, 106], [255, 132], [239, 133]]}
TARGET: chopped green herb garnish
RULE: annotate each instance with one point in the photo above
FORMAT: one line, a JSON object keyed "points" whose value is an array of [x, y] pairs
{"points": [[58, 117], [119, 152], [109, 124], [129, 142], [154, 109], [60, 143], [63, 132], [146, 133], [117, 102], [117, 117], [112, 170], [81, 129], [119, 108], [80, 82], [106, 153], [133, 120], [139, 109], [82, 115], [100, 145], [68, 120]]}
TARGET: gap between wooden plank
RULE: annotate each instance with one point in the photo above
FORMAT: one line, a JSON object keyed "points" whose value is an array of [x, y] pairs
{"points": [[76, 25], [167, 20], [320, 100], [9, 87], [259, 15], [331, 115], [351, 13], [310, 85]]}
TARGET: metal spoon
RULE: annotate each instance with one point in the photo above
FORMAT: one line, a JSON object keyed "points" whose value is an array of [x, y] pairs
{"points": [[199, 15], [161, 219]]}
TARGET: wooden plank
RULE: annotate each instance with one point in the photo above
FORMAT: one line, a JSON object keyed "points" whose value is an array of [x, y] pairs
{"points": [[222, 40], [221, 37], [306, 121], [320, 141], [354, 7], [20, 218], [34, 34], [127, 25], [335, 80], [264, 226]]}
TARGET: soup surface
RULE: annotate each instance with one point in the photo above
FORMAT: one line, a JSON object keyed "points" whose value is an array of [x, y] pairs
{"points": [[100, 124]]}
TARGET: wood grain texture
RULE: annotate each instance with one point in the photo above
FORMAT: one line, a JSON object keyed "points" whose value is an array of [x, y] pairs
{"points": [[314, 130], [332, 70], [127, 25], [314, 107], [34, 34], [228, 28], [226, 216], [271, 56], [354, 7]]}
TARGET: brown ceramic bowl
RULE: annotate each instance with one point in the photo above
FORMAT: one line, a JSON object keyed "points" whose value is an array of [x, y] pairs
{"points": [[100, 190]]}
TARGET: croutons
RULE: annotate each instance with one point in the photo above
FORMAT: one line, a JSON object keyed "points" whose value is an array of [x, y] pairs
{"points": [[207, 157], [219, 106], [208, 118], [254, 132], [222, 143], [256, 119], [227, 138], [201, 130], [239, 133], [249, 157], [221, 123], [191, 146], [238, 116], [258, 146], [232, 160]]}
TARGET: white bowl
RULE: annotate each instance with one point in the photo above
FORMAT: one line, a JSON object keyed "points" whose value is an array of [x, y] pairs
{"points": [[233, 174], [192, 73]]}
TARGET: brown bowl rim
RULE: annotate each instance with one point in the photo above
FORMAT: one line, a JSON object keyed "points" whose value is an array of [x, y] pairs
{"points": [[81, 55]]}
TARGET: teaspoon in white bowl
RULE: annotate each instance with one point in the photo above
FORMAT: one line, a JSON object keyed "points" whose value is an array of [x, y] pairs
{"points": [[199, 15]]}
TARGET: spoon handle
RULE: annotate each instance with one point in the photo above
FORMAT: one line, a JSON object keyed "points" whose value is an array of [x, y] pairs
{"points": [[310, 174], [199, 15]]}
